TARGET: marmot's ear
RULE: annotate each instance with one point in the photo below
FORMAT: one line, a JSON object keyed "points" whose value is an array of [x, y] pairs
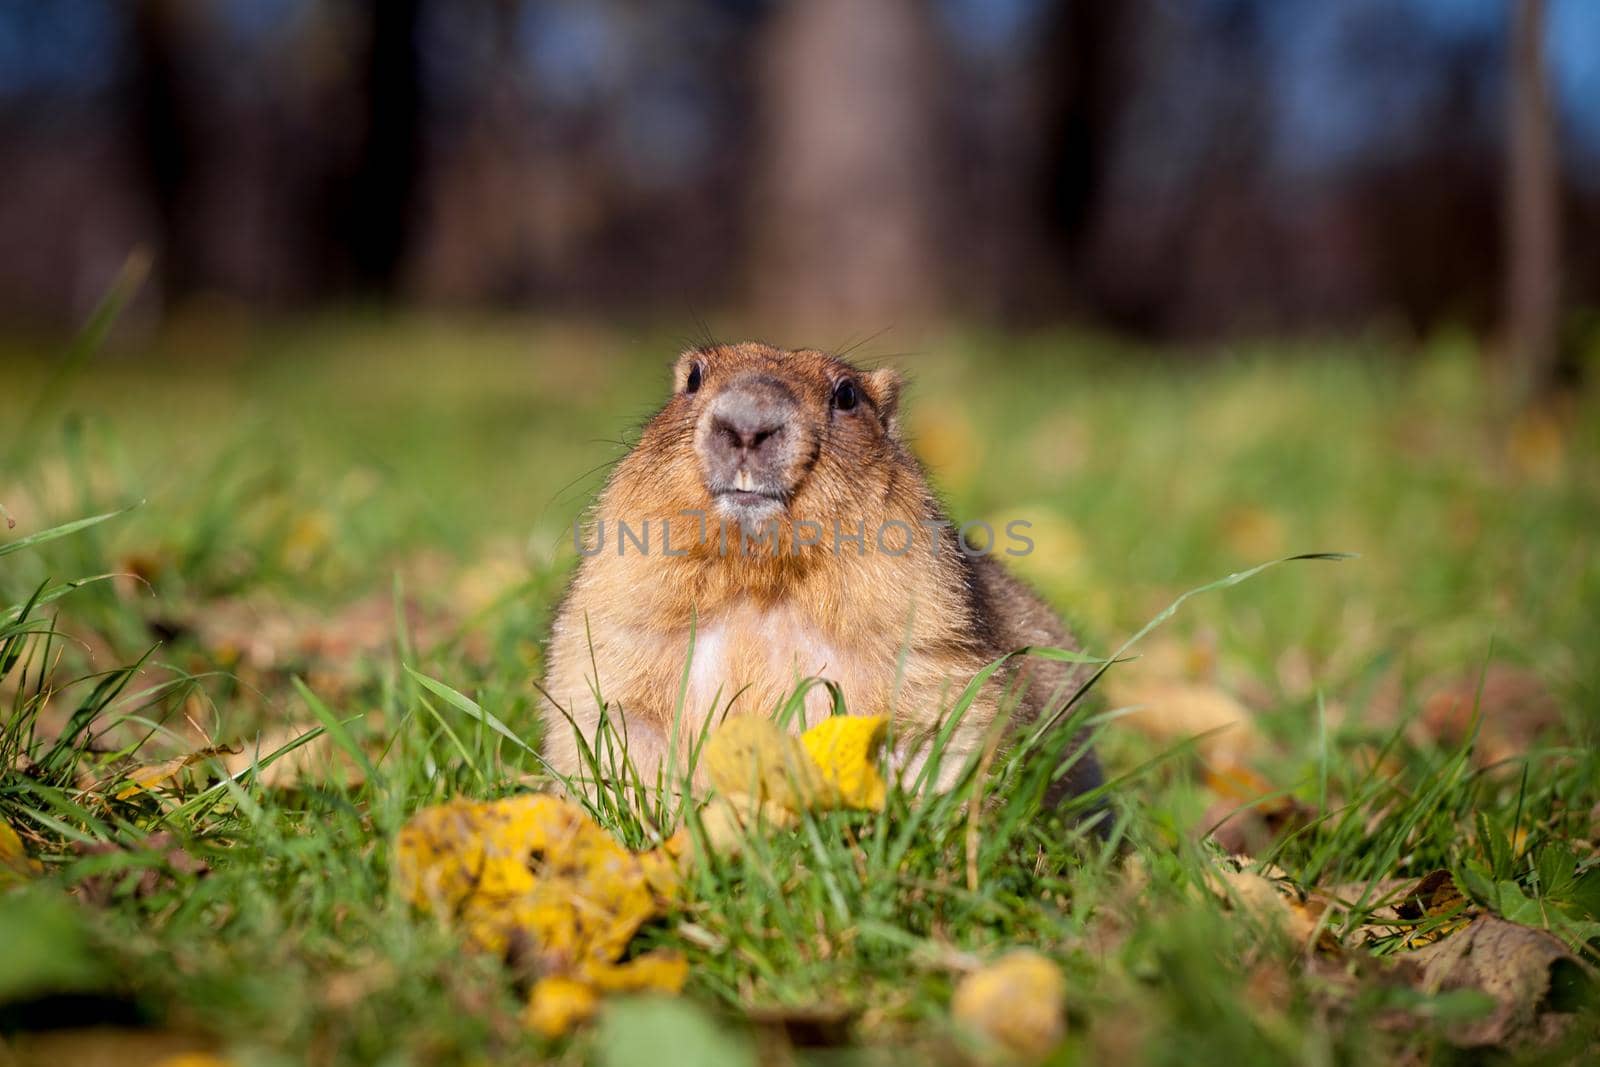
{"points": [[884, 385]]}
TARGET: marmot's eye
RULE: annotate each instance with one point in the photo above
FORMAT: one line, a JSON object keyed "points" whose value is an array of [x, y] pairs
{"points": [[693, 384], [846, 395]]}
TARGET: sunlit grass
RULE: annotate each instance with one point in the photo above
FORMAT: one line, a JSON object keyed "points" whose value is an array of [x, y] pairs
{"points": [[436, 468]]}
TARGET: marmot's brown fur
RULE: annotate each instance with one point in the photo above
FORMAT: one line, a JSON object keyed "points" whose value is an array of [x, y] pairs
{"points": [[742, 503]]}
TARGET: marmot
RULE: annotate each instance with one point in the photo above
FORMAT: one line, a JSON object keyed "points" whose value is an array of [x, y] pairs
{"points": [[772, 510]]}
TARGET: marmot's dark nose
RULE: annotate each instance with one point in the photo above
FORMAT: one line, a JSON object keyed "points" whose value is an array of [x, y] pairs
{"points": [[744, 435], [748, 419]]}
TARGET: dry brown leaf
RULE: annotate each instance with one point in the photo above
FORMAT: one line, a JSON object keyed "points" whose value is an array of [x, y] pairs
{"points": [[1252, 894], [1396, 907], [1189, 659], [148, 776], [1436, 896], [1016, 1002], [263, 639], [726, 820], [1531, 975], [1247, 818], [1273, 900], [318, 760], [345, 990], [1515, 707], [1171, 711], [137, 572], [1535, 983]]}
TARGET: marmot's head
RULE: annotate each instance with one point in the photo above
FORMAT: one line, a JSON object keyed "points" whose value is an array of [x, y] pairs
{"points": [[771, 435]]}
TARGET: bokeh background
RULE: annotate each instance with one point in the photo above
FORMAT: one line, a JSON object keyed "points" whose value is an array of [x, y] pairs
{"points": [[1167, 169]]}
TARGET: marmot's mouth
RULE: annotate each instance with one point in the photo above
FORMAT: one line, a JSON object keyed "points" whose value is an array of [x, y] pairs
{"points": [[749, 498]]}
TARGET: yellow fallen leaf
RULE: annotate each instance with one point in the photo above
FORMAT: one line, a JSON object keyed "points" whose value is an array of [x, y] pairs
{"points": [[725, 819], [149, 776], [662, 866], [762, 774], [1015, 1002], [534, 879], [15, 863], [845, 749], [831, 765], [557, 1004], [659, 971], [1435, 897], [751, 757]]}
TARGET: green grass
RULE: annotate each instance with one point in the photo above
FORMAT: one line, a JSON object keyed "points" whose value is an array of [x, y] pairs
{"points": [[428, 471]]}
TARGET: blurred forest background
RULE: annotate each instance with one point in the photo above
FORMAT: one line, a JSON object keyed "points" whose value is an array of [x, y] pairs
{"points": [[1173, 169]]}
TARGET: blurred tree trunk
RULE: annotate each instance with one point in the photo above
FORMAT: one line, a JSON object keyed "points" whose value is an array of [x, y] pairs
{"points": [[1533, 288], [166, 124], [1086, 81], [845, 218], [384, 184]]}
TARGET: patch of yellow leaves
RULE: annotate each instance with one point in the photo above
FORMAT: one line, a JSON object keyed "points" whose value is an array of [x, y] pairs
{"points": [[535, 880], [761, 772]]}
